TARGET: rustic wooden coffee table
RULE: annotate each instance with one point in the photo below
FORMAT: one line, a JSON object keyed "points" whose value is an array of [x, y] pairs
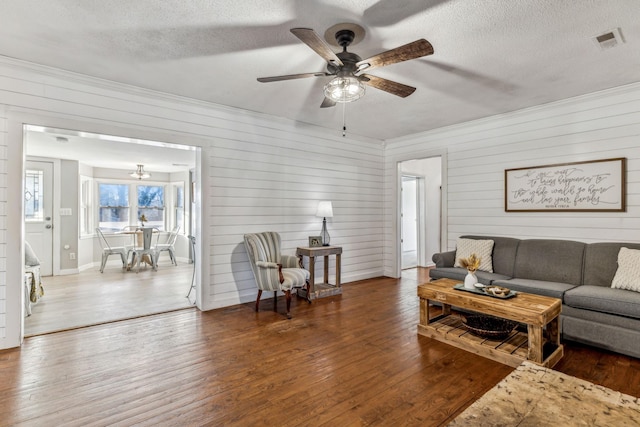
{"points": [[540, 344]]}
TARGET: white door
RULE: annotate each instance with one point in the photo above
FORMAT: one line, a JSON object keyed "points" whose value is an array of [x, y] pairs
{"points": [[409, 223], [38, 212]]}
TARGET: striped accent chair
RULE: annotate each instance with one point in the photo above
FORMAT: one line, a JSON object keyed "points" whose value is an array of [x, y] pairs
{"points": [[272, 270]]}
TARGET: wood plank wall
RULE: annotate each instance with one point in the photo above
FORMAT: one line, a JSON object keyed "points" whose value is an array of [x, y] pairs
{"points": [[595, 126], [260, 173]]}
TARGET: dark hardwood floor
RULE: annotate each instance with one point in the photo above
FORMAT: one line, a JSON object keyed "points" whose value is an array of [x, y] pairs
{"points": [[354, 359]]}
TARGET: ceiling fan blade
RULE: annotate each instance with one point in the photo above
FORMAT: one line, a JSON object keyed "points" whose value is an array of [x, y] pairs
{"points": [[392, 87], [411, 50], [291, 77], [313, 40], [327, 103]]}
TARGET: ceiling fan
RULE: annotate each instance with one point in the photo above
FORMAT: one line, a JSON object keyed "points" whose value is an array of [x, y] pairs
{"points": [[349, 82]]}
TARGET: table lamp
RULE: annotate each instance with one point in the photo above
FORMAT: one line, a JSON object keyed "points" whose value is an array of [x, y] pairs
{"points": [[325, 210]]}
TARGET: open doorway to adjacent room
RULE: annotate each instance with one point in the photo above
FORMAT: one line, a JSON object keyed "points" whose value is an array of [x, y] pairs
{"points": [[410, 223], [420, 206], [77, 182]]}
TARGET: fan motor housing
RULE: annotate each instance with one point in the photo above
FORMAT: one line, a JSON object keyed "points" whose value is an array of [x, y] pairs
{"points": [[349, 60], [345, 37]]}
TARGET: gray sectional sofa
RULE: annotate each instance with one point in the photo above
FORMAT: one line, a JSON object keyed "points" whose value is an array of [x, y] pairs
{"points": [[578, 273]]}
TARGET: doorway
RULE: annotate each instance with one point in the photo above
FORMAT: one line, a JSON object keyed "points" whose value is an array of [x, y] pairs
{"points": [[76, 293], [38, 211], [420, 207], [409, 214]]}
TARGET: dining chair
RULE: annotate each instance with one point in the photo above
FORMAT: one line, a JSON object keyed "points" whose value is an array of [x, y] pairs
{"points": [[107, 250], [169, 245], [147, 249], [130, 230]]}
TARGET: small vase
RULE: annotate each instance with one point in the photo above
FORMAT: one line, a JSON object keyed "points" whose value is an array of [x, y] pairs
{"points": [[470, 280]]}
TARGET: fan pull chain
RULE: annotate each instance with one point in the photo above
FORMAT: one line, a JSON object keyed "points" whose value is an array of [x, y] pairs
{"points": [[344, 119]]}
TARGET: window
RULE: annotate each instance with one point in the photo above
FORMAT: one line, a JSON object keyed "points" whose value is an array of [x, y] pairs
{"points": [[179, 207], [114, 206], [86, 204], [33, 209], [120, 204], [151, 205]]}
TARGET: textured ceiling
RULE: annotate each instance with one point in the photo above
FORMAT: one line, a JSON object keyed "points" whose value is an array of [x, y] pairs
{"points": [[491, 56]]}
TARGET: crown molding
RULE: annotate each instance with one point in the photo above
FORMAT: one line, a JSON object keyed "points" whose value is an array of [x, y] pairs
{"points": [[460, 127], [232, 113]]}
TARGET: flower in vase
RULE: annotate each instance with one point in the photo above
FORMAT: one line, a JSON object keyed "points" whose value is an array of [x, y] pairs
{"points": [[142, 219], [472, 263]]}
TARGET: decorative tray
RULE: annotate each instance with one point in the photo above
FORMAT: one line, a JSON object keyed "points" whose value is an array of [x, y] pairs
{"points": [[488, 326], [481, 291]]}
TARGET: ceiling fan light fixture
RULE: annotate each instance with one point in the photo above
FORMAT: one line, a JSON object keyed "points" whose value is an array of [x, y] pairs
{"points": [[140, 173], [344, 89]]}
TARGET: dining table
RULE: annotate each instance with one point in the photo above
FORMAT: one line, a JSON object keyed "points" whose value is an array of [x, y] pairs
{"points": [[138, 242]]}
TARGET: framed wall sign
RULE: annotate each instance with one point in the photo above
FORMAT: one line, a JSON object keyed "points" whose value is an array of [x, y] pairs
{"points": [[593, 186]]}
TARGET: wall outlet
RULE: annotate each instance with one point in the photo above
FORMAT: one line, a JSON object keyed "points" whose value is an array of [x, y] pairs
{"points": [[72, 255]]}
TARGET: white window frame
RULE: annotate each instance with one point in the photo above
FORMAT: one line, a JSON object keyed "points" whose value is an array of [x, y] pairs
{"points": [[133, 198], [86, 218], [96, 197], [173, 205], [135, 206], [92, 205]]}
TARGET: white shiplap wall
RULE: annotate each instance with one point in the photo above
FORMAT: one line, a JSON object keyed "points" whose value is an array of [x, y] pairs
{"points": [[3, 223], [258, 173], [274, 181], [595, 126]]}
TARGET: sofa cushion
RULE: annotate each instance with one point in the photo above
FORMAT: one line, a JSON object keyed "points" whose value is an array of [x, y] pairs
{"points": [[454, 273], [538, 287], [550, 260], [481, 248], [602, 318], [628, 272], [504, 253], [601, 262], [606, 300], [614, 338], [458, 273]]}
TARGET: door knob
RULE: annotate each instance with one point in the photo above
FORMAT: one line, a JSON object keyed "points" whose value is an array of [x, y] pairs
{"points": [[48, 218], [48, 226]]}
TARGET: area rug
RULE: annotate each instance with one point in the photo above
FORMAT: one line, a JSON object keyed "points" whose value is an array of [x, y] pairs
{"points": [[536, 396]]}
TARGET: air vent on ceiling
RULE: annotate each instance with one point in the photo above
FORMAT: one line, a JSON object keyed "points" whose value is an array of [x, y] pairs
{"points": [[609, 39]]}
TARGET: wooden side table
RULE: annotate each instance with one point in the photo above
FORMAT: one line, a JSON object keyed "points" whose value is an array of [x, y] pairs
{"points": [[325, 289]]}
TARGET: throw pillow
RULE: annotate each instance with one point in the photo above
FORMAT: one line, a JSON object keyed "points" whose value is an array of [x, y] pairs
{"points": [[628, 272], [30, 258], [482, 248]]}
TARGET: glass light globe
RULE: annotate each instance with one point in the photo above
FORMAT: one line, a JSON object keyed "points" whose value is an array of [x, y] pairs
{"points": [[344, 89]]}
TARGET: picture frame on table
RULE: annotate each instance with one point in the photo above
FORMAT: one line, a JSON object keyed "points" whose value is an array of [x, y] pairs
{"points": [[315, 241]]}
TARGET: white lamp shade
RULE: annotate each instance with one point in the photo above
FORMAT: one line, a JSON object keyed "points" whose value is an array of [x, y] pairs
{"points": [[325, 210]]}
